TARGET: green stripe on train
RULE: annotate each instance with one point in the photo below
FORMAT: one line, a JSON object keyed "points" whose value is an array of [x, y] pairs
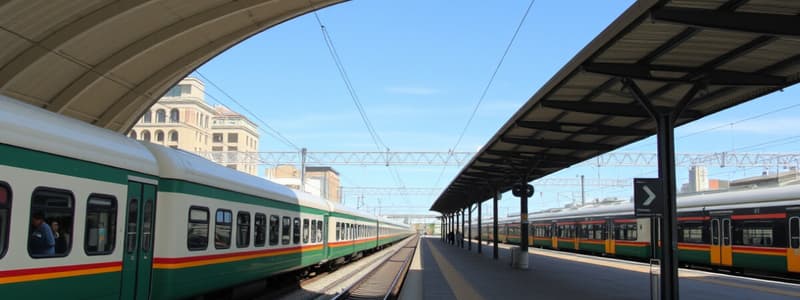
{"points": [[758, 261], [695, 256], [97, 286], [185, 282], [51, 163], [632, 251], [599, 248]]}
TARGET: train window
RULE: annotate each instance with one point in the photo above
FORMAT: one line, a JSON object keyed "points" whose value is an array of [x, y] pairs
{"points": [[757, 233], [222, 229], [306, 230], [273, 230], [5, 216], [690, 232], [313, 231], [260, 223], [338, 230], [626, 231], [242, 229], [286, 231], [794, 232], [147, 226], [197, 237], [296, 231], [52, 214], [319, 231], [715, 232], [101, 224]]}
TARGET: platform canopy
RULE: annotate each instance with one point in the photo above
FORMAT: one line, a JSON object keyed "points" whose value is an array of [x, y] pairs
{"points": [[106, 62], [698, 56]]}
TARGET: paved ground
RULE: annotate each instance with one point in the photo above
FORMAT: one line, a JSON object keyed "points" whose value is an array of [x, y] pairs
{"points": [[449, 272]]}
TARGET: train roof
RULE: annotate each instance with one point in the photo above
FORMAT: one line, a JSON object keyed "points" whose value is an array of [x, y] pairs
{"points": [[716, 200], [311, 200], [339, 208], [35, 128], [182, 165]]}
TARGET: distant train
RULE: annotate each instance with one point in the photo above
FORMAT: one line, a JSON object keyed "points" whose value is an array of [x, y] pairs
{"points": [[140, 221], [757, 229]]}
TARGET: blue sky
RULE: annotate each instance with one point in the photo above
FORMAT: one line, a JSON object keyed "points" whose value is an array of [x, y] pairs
{"points": [[419, 68]]}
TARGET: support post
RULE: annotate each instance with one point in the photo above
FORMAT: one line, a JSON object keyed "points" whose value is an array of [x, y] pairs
{"points": [[480, 246], [523, 224], [463, 222], [583, 193], [303, 169], [665, 125], [469, 229], [494, 223], [457, 227]]}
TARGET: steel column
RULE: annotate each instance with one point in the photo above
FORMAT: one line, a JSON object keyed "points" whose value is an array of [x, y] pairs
{"points": [[469, 229], [463, 221], [480, 246], [494, 222], [523, 215], [669, 229]]}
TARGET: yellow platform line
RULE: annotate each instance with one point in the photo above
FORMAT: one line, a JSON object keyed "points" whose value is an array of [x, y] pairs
{"points": [[460, 286]]}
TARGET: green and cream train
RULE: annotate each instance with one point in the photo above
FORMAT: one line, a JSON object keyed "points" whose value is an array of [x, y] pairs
{"points": [[133, 220], [752, 229]]}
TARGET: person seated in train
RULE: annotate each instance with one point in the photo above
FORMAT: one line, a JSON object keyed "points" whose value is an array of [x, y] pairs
{"points": [[60, 237], [42, 242]]}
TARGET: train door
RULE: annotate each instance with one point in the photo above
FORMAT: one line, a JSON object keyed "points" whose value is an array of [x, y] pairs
{"points": [[609, 237], [793, 252], [554, 235], [721, 240], [138, 252]]}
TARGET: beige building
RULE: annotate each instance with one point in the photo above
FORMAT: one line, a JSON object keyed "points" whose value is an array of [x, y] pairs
{"points": [[320, 181], [182, 119]]}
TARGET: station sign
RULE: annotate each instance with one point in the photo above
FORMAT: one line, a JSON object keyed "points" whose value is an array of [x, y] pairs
{"points": [[648, 197]]}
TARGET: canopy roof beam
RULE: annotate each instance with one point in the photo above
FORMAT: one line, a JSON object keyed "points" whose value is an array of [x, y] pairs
{"points": [[583, 128], [711, 77], [759, 23], [607, 108]]}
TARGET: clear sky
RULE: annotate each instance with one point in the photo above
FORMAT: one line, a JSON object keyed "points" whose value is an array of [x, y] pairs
{"points": [[419, 68]]}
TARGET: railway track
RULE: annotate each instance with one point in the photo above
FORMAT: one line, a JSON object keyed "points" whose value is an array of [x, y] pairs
{"points": [[384, 281]]}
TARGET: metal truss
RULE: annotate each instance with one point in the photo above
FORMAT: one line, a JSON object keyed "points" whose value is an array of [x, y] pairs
{"points": [[374, 158], [421, 191]]}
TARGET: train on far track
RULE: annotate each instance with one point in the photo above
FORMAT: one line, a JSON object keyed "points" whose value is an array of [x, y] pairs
{"points": [[86, 213], [743, 230]]}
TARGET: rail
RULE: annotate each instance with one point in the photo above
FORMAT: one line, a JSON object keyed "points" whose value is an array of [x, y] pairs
{"points": [[385, 281]]}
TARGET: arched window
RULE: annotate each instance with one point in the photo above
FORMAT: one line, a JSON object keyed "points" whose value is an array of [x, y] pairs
{"points": [[146, 135], [173, 136], [159, 136], [161, 116], [148, 117], [133, 134], [174, 115]]}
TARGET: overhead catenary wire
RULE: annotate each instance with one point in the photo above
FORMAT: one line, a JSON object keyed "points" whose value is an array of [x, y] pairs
{"points": [[376, 139], [487, 86], [275, 133]]}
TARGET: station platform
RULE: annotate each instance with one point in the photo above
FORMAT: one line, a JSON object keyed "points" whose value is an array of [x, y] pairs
{"points": [[444, 271]]}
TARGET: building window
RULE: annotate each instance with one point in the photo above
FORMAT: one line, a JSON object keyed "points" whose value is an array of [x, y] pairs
{"points": [[146, 135], [5, 216], [286, 231], [261, 230], [52, 214], [174, 115], [231, 166], [159, 136], [216, 138], [243, 229], [161, 116], [197, 238], [175, 91], [233, 137], [233, 148], [173, 136], [273, 230], [148, 117], [222, 229], [206, 122], [101, 224], [133, 134], [216, 148]]}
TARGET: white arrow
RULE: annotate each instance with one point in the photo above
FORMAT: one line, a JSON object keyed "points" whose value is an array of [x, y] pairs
{"points": [[650, 196]]}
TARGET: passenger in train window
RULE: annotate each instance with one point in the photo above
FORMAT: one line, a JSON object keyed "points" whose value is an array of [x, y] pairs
{"points": [[60, 238], [42, 242]]}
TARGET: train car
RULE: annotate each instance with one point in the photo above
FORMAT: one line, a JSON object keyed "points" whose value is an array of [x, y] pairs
{"points": [[56, 170], [86, 213], [216, 227], [753, 229]]}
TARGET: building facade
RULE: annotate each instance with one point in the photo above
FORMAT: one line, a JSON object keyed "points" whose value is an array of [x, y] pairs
{"points": [[320, 181], [182, 119]]}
